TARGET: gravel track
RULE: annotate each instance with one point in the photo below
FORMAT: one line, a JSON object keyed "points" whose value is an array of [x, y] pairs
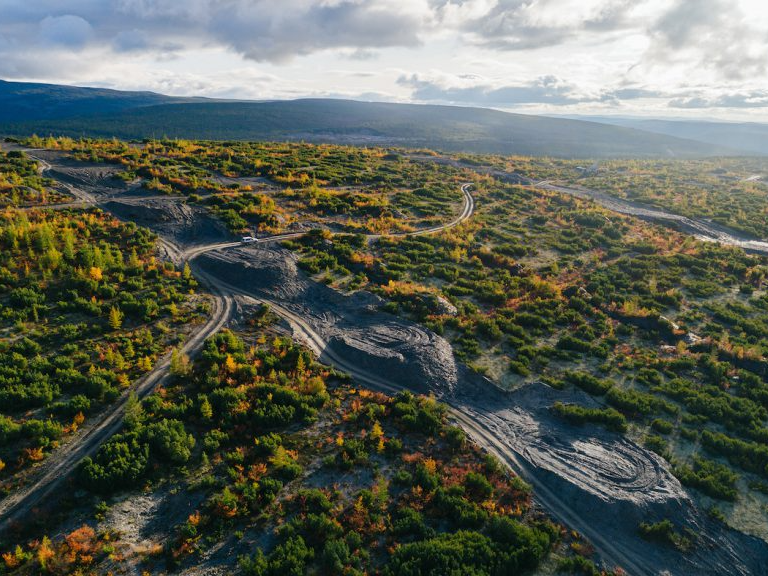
{"points": [[701, 229], [596, 482], [50, 475]]}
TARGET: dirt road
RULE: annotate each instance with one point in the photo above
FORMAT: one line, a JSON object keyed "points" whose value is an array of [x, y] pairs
{"points": [[57, 468], [483, 436], [701, 229], [61, 464], [484, 433]]}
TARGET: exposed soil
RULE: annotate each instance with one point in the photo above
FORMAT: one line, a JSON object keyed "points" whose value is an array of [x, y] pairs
{"points": [[611, 483], [605, 482], [353, 326], [172, 218], [608, 481]]}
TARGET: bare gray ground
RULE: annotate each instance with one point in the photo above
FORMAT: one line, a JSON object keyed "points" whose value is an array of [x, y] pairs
{"points": [[603, 484], [352, 326], [607, 481], [170, 217]]}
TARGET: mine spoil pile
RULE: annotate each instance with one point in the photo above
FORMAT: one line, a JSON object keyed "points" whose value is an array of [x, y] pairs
{"points": [[612, 484], [597, 481]]}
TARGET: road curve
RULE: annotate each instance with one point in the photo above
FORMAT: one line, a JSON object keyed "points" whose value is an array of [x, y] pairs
{"points": [[85, 442], [62, 463], [481, 435], [467, 210]]}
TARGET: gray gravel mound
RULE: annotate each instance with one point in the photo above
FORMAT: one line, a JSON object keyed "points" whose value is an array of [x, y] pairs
{"points": [[172, 218], [353, 326], [92, 177], [607, 481], [411, 356]]}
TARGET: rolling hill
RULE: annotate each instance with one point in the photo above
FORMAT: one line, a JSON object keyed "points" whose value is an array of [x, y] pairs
{"points": [[63, 110], [748, 136], [25, 102]]}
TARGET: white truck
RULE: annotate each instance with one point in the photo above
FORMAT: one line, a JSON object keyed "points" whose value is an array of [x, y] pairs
{"points": [[247, 239]]}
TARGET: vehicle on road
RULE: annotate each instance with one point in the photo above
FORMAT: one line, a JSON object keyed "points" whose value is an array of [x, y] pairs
{"points": [[247, 239]]}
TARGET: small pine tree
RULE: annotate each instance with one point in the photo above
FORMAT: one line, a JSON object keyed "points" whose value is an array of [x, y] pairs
{"points": [[133, 259], [145, 363], [187, 272], [179, 363], [134, 412], [68, 245], [206, 410], [115, 318]]}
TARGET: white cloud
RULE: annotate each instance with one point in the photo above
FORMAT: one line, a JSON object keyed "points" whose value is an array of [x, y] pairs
{"points": [[474, 90], [67, 31], [524, 25], [513, 53], [720, 35]]}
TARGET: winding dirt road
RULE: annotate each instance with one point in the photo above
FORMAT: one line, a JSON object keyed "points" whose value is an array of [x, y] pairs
{"points": [[64, 461], [481, 435], [468, 209], [85, 442]]}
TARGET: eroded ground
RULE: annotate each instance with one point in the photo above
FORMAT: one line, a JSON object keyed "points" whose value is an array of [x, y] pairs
{"points": [[604, 482]]}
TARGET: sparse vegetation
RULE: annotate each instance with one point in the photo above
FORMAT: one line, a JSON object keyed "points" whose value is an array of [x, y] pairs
{"points": [[415, 499], [666, 334]]}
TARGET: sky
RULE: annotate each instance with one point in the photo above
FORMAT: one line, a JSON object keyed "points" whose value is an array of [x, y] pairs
{"points": [[662, 58]]}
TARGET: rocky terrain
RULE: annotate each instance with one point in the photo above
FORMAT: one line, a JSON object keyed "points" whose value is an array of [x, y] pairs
{"points": [[353, 327], [595, 481], [172, 218], [609, 483]]}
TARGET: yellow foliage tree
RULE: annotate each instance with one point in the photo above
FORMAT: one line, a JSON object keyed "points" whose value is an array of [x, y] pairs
{"points": [[376, 431], [96, 273], [230, 365], [115, 318], [45, 552]]}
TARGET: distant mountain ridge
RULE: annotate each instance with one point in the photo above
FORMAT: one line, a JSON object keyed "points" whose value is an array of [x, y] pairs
{"points": [[24, 101], [749, 137], [63, 110]]}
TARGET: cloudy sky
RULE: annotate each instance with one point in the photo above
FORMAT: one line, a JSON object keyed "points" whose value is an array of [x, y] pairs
{"points": [[700, 58]]}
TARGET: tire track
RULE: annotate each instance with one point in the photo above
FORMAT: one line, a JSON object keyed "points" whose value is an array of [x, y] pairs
{"points": [[50, 475]]}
